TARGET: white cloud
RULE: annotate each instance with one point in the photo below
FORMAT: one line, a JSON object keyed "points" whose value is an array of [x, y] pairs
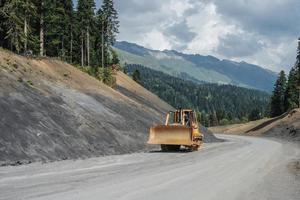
{"points": [[155, 40], [180, 7], [209, 27], [260, 32]]}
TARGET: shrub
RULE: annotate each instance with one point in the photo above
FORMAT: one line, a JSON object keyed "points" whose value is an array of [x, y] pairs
{"points": [[106, 75]]}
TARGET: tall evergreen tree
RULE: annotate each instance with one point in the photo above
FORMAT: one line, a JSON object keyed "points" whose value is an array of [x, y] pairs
{"points": [[85, 12], [14, 24], [297, 65], [28, 10], [292, 93], [110, 16], [109, 26], [3, 30], [277, 99]]}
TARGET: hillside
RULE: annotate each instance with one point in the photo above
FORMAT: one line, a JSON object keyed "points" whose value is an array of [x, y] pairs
{"points": [[286, 127], [198, 68], [52, 111], [217, 104]]}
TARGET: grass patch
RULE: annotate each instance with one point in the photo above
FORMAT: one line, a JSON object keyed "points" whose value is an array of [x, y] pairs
{"points": [[29, 82]]}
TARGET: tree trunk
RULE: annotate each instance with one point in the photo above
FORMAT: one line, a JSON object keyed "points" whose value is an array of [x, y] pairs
{"points": [[102, 45], [42, 30], [88, 45], [299, 98], [25, 33], [62, 49], [71, 45], [82, 53]]}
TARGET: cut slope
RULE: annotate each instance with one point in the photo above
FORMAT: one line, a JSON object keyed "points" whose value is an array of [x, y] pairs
{"points": [[286, 126], [130, 88], [49, 110]]}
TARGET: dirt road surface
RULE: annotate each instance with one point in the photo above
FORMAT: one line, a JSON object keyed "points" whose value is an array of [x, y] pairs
{"points": [[240, 168]]}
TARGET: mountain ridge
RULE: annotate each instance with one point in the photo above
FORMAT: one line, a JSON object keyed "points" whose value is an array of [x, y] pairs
{"points": [[198, 67]]}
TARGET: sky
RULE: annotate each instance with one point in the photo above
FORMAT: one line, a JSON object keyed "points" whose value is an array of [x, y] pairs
{"points": [[262, 32]]}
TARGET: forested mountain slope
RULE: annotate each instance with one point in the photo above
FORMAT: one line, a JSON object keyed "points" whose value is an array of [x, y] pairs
{"points": [[217, 104], [198, 68]]}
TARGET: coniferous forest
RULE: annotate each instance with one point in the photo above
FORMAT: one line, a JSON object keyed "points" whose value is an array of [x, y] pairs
{"points": [[216, 104], [82, 35]]}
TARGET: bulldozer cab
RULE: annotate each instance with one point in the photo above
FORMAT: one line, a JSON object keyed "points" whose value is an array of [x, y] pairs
{"points": [[181, 117]]}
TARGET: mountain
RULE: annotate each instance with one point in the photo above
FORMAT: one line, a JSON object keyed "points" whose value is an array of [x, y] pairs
{"points": [[216, 104], [198, 68]]}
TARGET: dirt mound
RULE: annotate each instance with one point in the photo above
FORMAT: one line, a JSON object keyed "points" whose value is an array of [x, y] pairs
{"points": [[49, 110], [286, 126]]}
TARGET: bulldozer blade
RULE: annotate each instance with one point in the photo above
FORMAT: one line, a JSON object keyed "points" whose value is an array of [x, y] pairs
{"points": [[170, 134]]}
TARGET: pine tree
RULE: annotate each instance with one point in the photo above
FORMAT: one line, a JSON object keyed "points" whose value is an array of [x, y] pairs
{"points": [[297, 66], [3, 41], [14, 24], [28, 10], [277, 99], [85, 12], [109, 25], [110, 16], [100, 38], [136, 75], [292, 94]]}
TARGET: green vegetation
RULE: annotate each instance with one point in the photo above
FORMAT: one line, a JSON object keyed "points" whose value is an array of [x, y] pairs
{"points": [[216, 104], [106, 75], [277, 100], [54, 28], [29, 82], [286, 91], [197, 68], [136, 76]]}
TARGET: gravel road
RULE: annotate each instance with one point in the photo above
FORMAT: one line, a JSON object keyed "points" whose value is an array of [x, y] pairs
{"points": [[240, 168]]}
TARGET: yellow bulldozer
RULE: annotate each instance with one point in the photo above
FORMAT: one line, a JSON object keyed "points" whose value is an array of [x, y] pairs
{"points": [[180, 129]]}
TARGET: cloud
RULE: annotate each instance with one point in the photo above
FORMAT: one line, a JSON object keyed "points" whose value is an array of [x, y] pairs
{"points": [[180, 34], [268, 17], [239, 45], [261, 32]]}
